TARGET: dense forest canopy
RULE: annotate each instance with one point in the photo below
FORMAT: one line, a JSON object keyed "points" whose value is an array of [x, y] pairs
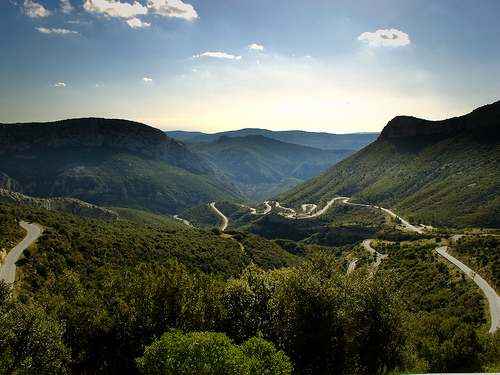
{"points": [[106, 296]]}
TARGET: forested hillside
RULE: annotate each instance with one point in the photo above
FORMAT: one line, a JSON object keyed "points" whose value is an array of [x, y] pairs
{"points": [[437, 173], [259, 165], [108, 163], [92, 296]]}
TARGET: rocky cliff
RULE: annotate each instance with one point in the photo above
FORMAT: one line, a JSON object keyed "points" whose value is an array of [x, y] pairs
{"points": [[9, 183], [90, 133], [481, 119], [69, 205]]}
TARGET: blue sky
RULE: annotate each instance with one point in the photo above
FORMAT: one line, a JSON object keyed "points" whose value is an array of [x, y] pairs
{"points": [[211, 65]]}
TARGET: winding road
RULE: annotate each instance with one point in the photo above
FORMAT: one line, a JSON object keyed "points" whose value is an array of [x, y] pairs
{"points": [[8, 270], [489, 292], [378, 256], [225, 220], [176, 217], [491, 295]]}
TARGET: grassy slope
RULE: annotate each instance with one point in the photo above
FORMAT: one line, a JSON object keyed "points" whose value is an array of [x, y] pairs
{"points": [[438, 180]]}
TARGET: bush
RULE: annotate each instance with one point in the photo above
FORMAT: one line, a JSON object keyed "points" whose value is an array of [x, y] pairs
{"points": [[207, 353]]}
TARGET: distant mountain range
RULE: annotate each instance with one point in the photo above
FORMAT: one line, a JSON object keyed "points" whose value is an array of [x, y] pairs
{"points": [[109, 163], [437, 172], [263, 167], [324, 141]]}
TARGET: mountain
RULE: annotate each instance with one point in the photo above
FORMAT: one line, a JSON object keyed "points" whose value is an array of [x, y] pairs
{"points": [[257, 163], [107, 162], [324, 141], [436, 172]]}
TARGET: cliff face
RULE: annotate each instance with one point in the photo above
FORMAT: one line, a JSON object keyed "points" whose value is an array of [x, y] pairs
{"points": [[9, 183], [69, 205], [482, 119], [89, 133]]}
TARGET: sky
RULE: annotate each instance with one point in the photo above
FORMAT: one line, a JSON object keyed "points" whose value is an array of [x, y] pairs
{"points": [[338, 66]]}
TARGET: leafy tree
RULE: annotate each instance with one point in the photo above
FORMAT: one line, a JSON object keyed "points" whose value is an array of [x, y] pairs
{"points": [[447, 344], [306, 314], [211, 353], [375, 322], [264, 359], [31, 341]]}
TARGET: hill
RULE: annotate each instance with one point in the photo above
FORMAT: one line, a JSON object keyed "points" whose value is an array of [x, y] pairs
{"points": [[257, 163], [324, 141], [109, 163], [69, 205], [436, 172]]}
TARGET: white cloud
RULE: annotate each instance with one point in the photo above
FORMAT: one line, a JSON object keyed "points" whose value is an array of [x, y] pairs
{"points": [[58, 84], [44, 30], [66, 7], [34, 10], [147, 79], [129, 12], [171, 8], [390, 37], [256, 47], [79, 22], [136, 22], [219, 55]]}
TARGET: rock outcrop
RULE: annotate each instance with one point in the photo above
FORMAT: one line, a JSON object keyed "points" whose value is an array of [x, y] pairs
{"points": [[9, 183], [481, 119], [89, 133], [68, 205]]}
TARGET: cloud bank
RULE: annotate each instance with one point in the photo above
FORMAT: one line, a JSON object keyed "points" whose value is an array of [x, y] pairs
{"points": [[386, 38], [34, 10], [66, 7], [129, 12]]}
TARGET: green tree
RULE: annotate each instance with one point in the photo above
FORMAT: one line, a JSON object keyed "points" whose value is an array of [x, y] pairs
{"points": [[211, 353], [264, 359], [306, 315], [375, 320], [448, 344], [31, 341]]}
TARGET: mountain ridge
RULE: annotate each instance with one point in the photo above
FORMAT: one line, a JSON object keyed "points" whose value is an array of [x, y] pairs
{"points": [[63, 204], [321, 140], [440, 173], [480, 119], [259, 164], [107, 162], [99, 132]]}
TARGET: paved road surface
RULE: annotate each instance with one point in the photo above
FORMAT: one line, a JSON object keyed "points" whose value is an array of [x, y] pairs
{"points": [[183, 220], [352, 266], [404, 222], [225, 221], [8, 271], [493, 298], [379, 257]]}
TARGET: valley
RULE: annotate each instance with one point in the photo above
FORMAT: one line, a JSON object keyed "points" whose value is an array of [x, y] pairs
{"points": [[489, 292], [354, 269]]}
